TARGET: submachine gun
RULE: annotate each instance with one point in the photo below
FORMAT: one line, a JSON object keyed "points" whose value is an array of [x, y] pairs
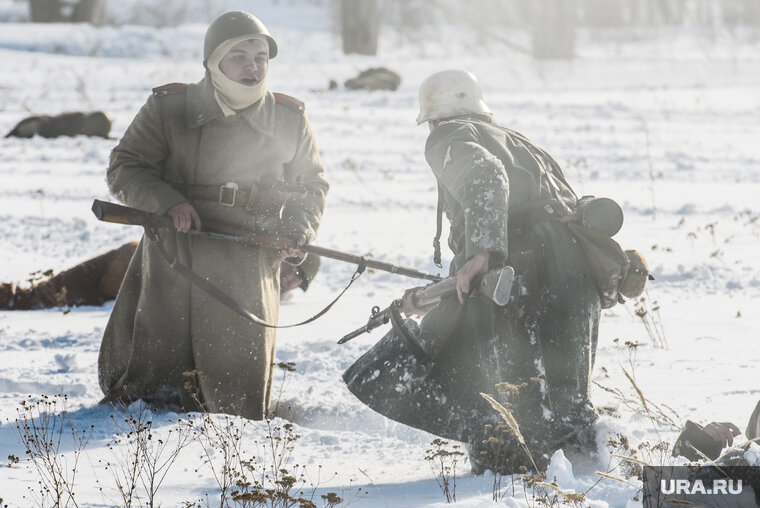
{"points": [[495, 285]]}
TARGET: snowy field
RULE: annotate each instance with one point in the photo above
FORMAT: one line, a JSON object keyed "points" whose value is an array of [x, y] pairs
{"points": [[664, 122]]}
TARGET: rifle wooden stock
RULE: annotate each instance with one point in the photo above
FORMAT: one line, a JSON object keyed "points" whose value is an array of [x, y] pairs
{"points": [[119, 214], [495, 284]]}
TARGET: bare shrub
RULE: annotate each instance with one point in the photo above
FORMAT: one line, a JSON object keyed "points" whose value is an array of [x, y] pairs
{"points": [[41, 425], [140, 456], [443, 463], [221, 440], [126, 455], [268, 478]]}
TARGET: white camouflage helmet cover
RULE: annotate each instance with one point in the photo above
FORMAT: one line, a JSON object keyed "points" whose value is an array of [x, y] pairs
{"points": [[450, 93]]}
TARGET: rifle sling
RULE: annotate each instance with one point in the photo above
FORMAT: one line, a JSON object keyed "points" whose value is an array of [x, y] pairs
{"points": [[233, 304], [438, 228]]}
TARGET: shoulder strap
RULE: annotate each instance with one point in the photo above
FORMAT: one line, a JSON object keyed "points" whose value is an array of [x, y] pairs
{"points": [[169, 89], [281, 98], [438, 228]]}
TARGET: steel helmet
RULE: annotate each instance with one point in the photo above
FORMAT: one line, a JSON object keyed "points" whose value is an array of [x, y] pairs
{"points": [[232, 25], [450, 93]]}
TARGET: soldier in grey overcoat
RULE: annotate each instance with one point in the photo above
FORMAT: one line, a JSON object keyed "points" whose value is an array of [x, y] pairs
{"points": [[204, 151], [501, 194]]}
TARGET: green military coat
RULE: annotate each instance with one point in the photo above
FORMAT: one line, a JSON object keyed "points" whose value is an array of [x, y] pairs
{"points": [[166, 339], [493, 182]]}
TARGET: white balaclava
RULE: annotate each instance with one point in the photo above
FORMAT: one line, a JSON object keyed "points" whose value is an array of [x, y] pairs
{"points": [[231, 95]]}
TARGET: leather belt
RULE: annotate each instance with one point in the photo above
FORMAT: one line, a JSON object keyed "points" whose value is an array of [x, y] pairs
{"points": [[259, 200], [228, 194]]}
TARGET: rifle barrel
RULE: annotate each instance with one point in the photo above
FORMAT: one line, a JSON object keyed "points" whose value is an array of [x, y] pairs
{"points": [[370, 263], [353, 334], [119, 214], [378, 318]]}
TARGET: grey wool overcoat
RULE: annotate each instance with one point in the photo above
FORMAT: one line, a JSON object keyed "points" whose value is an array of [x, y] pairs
{"points": [[167, 341]]}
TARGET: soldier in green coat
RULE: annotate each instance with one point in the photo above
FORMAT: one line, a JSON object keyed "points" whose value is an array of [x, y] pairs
{"points": [[210, 150], [501, 195]]}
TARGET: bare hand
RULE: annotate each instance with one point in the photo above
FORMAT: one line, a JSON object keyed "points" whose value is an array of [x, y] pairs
{"points": [[409, 308], [183, 216], [722, 432], [476, 266], [295, 252]]}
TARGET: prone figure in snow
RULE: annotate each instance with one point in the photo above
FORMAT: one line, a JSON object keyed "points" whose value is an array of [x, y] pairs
{"points": [[97, 280], [96, 123]]}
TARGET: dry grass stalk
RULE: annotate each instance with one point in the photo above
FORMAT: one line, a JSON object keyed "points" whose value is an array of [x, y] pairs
{"points": [[611, 477], [632, 459], [638, 391], [509, 419], [660, 414]]}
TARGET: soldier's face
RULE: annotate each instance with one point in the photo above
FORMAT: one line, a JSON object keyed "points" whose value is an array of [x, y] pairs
{"points": [[247, 62]]}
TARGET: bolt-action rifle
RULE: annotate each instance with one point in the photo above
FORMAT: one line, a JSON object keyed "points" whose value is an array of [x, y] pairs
{"points": [[495, 285], [119, 214]]}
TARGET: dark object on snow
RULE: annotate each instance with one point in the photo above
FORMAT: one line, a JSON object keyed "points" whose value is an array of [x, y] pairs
{"points": [[97, 280], [67, 11], [77, 123], [377, 78], [693, 438], [92, 282]]}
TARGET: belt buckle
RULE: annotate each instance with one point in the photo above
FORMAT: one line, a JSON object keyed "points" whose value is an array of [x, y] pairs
{"points": [[228, 193]]}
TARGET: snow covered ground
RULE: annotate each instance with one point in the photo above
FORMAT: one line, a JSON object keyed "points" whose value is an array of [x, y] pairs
{"points": [[665, 123]]}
